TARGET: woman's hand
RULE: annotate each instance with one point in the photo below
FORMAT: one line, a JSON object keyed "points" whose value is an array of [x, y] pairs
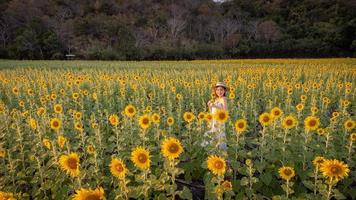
{"points": [[210, 103]]}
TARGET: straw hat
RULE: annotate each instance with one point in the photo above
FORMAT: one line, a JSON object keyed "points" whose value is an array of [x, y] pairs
{"points": [[221, 84]]}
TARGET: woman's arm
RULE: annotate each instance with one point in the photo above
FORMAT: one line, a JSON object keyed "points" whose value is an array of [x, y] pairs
{"points": [[225, 103], [210, 104]]}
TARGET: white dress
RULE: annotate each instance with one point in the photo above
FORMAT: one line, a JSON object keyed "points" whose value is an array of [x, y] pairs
{"points": [[216, 135]]}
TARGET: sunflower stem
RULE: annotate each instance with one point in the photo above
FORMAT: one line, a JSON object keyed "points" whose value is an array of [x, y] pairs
{"points": [[350, 149], [287, 190], [315, 177], [306, 134], [284, 143], [327, 142], [262, 143], [330, 188]]}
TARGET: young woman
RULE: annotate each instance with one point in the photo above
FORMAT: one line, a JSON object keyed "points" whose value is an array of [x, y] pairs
{"points": [[216, 135]]}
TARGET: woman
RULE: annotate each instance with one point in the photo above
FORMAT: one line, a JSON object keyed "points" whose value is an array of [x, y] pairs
{"points": [[216, 135]]}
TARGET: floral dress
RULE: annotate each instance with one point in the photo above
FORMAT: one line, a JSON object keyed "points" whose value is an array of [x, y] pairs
{"points": [[216, 136]]}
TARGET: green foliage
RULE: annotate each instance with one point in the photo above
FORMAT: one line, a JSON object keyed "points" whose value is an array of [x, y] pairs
{"points": [[184, 30]]}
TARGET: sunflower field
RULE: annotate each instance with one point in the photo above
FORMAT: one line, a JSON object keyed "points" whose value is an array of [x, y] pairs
{"points": [[87, 130]]}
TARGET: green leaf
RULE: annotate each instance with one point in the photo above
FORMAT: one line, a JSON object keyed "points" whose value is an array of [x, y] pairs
{"points": [[308, 184], [185, 193], [266, 178], [338, 194], [244, 181]]}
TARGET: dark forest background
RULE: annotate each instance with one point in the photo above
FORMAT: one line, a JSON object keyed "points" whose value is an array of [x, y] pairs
{"points": [[181, 29]]}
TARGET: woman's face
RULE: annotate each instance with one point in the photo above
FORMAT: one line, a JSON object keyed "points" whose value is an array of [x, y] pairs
{"points": [[220, 91]]}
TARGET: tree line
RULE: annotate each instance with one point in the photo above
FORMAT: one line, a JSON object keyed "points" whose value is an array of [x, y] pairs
{"points": [[184, 29]]}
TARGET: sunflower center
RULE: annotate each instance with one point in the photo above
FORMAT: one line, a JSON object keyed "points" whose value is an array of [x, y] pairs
{"points": [[218, 164], [335, 169], [55, 124], [349, 124], [173, 148], [222, 116], [142, 158], [287, 172], [276, 112], [119, 168], [92, 197], [169, 120], [265, 118], [189, 116], [312, 123], [131, 110], [241, 125], [289, 122], [145, 121], [72, 163]]}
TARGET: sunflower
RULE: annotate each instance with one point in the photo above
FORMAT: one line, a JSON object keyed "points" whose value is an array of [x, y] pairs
{"points": [[141, 158], [6, 196], [221, 116], [75, 95], [78, 126], [349, 124], [32, 123], [311, 123], [46, 143], [286, 173], [171, 148], [300, 107], [335, 114], [314, 109], [188, 117], [353, 137], [155, 118], [58, 108], [130, 110], [55, 123], [320, 131], [240, 125], [276, 113], [208, 117], [179, 96], [201, 116], [53, 97], [61, 141], [318, 160], [226, 185], [265, 119], [30, 92], [90, 149], [70, 164], [289, 122], [88, 194], [118, 168], [15, 91], [303, 97], [78, 115], [144, 121], [231, 96], [2, 153], [40, 111], [170, 121], [114, 119], [2, 107], [216, 165], [334, 169]]}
